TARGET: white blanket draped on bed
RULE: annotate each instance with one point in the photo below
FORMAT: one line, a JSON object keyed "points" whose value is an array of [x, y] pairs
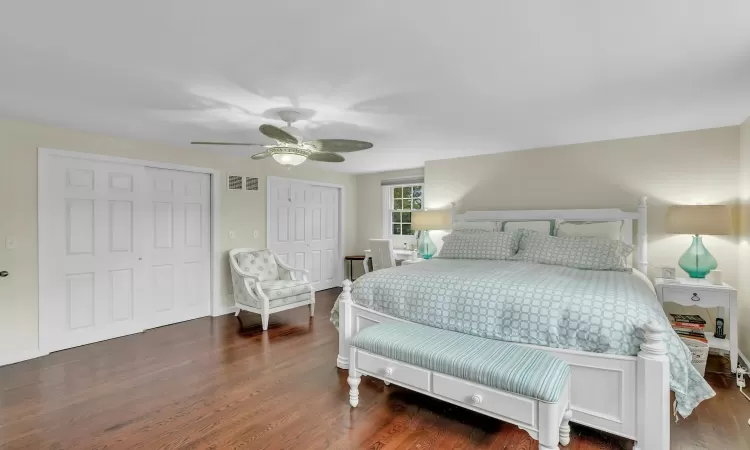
{"points": [[552, 306]]}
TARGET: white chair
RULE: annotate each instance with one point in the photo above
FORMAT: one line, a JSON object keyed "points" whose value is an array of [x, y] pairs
{"points": [[381, 252], [263, 284]]}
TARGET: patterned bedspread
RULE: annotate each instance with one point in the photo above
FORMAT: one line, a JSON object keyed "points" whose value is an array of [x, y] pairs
{"points": [[552, 306]]}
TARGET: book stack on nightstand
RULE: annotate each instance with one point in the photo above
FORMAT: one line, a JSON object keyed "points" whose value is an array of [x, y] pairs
{"points": [[689, 326]]}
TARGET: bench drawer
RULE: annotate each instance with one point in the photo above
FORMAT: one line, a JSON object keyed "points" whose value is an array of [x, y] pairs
{"points": [[390, 370], [520, 409]]}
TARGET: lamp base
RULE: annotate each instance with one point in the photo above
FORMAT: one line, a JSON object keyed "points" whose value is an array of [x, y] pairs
{"points": [[426, 247], [697, 261]]}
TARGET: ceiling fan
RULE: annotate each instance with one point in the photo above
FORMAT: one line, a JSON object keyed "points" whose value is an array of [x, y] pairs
{"points": [[291, 149]]}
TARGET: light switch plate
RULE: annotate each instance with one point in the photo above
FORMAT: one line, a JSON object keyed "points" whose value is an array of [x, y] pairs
{"points": [[256, 234], [10, 242], [232, 234]]}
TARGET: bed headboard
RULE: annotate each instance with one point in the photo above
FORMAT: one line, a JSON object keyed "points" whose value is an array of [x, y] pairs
{"points": [[631, 221]]}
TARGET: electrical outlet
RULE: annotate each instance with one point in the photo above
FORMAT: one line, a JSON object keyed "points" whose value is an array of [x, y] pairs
{"points": [[232, 234], [256, 233], [10, 242], [741, 372]]}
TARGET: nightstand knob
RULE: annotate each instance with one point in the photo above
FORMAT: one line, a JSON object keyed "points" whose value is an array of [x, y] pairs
{"points": [[695, 297]]}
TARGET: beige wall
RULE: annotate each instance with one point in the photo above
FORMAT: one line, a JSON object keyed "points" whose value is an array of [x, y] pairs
{"points": [[743, 280], [242, 212]]}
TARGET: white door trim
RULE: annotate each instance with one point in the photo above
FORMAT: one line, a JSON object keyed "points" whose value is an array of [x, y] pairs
{"points": [[217, 307], [342, 220]]}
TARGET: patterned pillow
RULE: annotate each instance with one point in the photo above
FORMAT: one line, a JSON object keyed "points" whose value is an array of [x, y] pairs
{"points": [[480, 245], [260, 263], [580, 252]]}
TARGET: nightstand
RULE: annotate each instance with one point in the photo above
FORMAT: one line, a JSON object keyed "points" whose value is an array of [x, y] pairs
{"points": [[406, 262], [699, 292]]}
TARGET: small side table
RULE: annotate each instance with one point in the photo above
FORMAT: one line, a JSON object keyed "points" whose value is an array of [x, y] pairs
{"points": [[351, 260], [699, 292]]}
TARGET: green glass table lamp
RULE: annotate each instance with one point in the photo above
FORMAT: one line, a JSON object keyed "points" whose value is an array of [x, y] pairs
{"points": [[424, 221], [698, 220]]}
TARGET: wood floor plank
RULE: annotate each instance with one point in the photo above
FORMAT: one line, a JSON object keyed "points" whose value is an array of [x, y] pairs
{"points": [[201, 384]]}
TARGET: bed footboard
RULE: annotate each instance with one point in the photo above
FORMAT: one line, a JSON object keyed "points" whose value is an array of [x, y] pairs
{"points": [[623, 395]]}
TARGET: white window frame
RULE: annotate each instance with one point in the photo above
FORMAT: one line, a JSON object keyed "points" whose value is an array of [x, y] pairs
{"points": [[388, 209]]}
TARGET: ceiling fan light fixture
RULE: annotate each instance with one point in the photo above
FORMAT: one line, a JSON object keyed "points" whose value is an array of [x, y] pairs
{"points": [[289, 156]]}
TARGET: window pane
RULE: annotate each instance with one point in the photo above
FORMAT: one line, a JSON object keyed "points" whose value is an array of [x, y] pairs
{"points": [[406, 203], [417, 203], [405, 217], [406, 229], [397, 204], [396, 217], [407, 192], [396, 228], [416, 191], [397, 193]]}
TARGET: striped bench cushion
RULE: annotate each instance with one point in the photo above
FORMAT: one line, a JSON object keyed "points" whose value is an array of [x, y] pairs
{"points": [[501, 365]]}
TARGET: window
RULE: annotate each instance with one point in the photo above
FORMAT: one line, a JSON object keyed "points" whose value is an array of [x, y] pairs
{"points": [[403, 199]]}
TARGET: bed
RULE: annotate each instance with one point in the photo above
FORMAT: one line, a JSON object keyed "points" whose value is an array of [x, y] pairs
{"points": [[608, 326]]}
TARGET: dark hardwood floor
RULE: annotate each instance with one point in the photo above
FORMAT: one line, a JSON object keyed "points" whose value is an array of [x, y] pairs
{"points": [[200, 384]]}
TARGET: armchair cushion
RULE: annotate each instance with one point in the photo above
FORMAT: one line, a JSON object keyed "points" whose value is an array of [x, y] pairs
{"points": [[275, 289], [260, 263]]}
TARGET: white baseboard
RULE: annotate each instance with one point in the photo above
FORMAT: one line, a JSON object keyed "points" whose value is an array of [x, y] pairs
{"points": [[744, 360], [227, 308], [12, 358]]}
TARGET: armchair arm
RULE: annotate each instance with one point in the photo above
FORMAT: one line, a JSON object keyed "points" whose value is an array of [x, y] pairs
{"points": [[290, 269]]}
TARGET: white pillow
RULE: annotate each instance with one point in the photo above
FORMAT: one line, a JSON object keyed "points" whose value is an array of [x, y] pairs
{"points": [[480, 226], [609, 230], [540, 226]]}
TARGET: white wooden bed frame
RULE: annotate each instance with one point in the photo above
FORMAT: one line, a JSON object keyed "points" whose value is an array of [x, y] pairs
{"points": [[623, 395]]}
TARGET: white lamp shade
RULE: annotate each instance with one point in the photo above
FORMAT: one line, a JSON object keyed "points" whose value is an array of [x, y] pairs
{"points": [[438, 219], [710, 220]]}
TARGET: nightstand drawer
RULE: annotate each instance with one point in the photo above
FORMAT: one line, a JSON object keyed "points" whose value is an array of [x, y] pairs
{"points": [[704, 298]]}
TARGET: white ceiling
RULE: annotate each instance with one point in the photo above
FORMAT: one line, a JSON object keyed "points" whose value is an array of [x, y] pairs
{"points": [[422, 79]]}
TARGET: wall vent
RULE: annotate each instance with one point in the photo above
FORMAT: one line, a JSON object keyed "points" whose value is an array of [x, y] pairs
{"points": [[234, 182], [251, 184]]}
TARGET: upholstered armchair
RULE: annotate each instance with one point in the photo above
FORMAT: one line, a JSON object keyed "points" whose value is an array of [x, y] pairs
{"points": [[263, 284]]}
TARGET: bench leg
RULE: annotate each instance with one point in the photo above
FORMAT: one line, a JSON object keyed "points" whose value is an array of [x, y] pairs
{"points": [[353, 380], [565, 428]]}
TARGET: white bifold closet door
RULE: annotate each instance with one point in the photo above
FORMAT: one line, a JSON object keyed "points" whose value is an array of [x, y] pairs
{"points": [[304, 229], [177, 246], [123, 248]]}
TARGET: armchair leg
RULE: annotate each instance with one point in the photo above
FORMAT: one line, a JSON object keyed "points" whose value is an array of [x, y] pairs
{"points": [[264, 319], [312, 309]]}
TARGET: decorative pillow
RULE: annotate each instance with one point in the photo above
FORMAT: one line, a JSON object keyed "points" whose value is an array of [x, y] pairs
{"points": [[475, 226], [495, 245], [540, 226], [580, 252], [609, 230], [260, 263]]}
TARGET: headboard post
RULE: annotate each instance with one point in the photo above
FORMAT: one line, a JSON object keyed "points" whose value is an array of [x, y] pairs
{"points": [[642, 236], [453, 212]]}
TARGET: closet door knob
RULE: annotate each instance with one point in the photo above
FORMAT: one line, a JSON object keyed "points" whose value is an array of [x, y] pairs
{"points": [[4, 274]]}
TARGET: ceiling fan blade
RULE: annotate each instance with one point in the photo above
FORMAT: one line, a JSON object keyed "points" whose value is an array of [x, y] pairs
{"points": [[339, 145], [325, 157], [261, 155], [223, 143], [278, 134]]}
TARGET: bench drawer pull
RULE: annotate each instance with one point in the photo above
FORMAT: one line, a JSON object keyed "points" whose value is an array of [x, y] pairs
{"points": [[476, 399], [388, 371]]}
